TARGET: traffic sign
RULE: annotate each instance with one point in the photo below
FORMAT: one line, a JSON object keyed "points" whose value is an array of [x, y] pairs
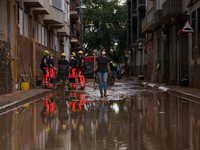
{"points": [[187, 28]]}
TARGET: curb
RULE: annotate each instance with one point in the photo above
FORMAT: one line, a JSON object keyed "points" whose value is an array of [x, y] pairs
{"points": [[173, 91], [23, 101]]}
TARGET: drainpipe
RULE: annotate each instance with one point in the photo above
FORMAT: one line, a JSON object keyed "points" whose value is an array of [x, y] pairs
{"points": [[195, 54], [81, 22], [18, 48]]}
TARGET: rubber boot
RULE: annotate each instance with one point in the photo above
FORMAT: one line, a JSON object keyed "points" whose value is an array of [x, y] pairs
{"points": [[105, 94], [101, 92]]}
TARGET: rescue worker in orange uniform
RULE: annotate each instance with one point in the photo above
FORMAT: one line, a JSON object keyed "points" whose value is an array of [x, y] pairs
{"points": [[51, 71], [81, 75], [72, 75], [45, 69]]}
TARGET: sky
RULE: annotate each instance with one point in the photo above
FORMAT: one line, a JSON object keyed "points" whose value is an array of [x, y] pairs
{"points": [[122, 1]]}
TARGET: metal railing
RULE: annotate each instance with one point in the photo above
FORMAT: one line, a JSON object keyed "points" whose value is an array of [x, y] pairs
{"points": [[172, 8]]}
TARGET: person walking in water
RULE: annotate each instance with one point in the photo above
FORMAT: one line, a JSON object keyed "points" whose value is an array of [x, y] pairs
{"points": [[103, 70]]}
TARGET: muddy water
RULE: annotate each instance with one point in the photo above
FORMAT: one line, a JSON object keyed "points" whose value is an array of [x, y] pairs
{"points": [[149, 120]]}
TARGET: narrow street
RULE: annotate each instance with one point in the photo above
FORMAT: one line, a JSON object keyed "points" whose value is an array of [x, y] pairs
{"points": [[133, 117]]}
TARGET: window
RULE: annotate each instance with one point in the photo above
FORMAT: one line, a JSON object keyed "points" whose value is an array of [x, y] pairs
{"points": [[51, 40], [39, 33], [36, 30], [42, 35], [56, 44], [26, 24], [66, 13], [21, 21], [45, 37]]}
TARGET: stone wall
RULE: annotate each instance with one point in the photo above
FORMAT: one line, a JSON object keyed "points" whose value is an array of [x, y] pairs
{"points": [[5, 68]]}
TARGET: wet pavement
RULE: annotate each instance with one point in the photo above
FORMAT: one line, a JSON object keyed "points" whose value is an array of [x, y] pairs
{"points": [[132, 117]]}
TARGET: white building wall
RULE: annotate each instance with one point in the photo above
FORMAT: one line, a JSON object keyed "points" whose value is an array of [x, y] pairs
{"points": [[67, 47]]}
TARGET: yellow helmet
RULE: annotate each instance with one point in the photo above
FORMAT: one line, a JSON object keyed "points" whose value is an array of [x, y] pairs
{"points": [[63, 54], [80, 52], [73, 54], [51, 54], [46, 52]]}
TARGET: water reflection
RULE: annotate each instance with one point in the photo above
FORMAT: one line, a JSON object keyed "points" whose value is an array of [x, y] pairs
{"points": [[147, 121]]}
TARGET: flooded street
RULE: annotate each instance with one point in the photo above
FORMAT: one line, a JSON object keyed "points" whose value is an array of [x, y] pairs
{"points": [[79, 120]]}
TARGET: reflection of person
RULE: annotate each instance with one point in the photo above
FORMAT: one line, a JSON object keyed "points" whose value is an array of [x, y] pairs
{"points": [[48, 108], [104, 123], [72, 75], [62, 70], [102, 69]]}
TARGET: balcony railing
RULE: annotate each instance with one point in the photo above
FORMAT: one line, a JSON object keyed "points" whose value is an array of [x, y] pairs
{"points": [[150, 18], [158, 18], [34, 3], [43, 10], [55, 16], [140, 4], [74, 11], [75, 35], [172, 8]]}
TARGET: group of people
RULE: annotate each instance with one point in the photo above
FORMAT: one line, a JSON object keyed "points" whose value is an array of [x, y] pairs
{"points": [[63, 66], [103, 69]]}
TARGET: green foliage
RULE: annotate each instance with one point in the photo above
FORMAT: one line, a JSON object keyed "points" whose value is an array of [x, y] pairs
{"points": [[98, 35]]}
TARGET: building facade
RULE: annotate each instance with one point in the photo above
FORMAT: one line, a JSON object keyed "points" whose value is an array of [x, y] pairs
{"points": [[171, 54], [32, 26], [136, 40]]}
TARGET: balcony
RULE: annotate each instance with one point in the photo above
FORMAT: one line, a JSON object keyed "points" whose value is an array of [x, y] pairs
{"points": [[134, 14], [74, 11], [150, 19], [140, 4], [43, 10], [172, 8], [158, 18], [54, 16], [34, 3], [65, 30], [144, 25], [75, 38]]}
